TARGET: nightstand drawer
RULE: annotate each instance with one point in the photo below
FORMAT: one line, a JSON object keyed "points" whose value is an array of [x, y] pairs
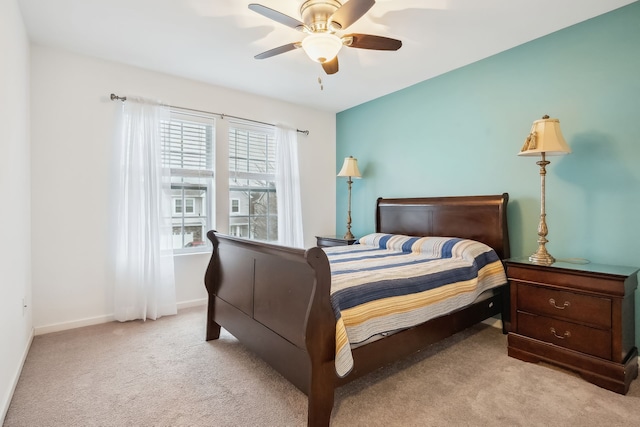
{"points": [[578, 280], [570, 306], [596, 342]]}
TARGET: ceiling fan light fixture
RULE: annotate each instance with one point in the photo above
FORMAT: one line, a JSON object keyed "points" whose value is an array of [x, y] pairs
{"points": [[321, 47]]}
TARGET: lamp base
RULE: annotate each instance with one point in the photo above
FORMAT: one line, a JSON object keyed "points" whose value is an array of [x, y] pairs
{"points": [[542, 257], [348, 235]]}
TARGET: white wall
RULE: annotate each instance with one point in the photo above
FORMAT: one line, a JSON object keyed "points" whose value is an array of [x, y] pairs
{"points": [[72, 123], [15, 207]]}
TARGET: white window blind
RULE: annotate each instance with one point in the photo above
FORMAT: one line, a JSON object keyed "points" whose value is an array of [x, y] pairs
{"points": [[252, 151], [188, 145]]}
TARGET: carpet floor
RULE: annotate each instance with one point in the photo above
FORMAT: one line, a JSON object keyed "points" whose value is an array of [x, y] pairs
{"points": [[163, 373]]}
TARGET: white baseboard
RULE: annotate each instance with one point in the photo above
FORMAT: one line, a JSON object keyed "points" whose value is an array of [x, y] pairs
{"points": [[193, 303], [14, 383], [63, 326], [72, 324]]}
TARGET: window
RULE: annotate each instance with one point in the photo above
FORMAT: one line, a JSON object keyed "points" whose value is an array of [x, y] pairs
{"points": [[188, 203], [235, 205], [188, 151], [252, 155], [189, 206]]}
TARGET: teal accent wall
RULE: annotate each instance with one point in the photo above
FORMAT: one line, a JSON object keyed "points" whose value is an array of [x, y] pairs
{"points": [[459, 134]]}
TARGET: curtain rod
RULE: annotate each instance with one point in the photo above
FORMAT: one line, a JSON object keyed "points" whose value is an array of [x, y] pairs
{"points": [[115, 97]]}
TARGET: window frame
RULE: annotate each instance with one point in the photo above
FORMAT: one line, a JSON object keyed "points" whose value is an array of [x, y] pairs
{"points": [[250, 162], [193, 177]]}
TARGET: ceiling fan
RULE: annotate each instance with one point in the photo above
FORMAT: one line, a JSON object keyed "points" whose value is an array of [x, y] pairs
{"points": [[321, 19]]}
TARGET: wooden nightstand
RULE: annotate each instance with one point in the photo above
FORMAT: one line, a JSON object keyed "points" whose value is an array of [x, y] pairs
{"points": [[577, 316], [326, 241]]}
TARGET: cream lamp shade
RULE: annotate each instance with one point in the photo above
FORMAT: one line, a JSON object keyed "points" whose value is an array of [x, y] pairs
{"points": [[350, 168], [545, 137], [321, 47]]}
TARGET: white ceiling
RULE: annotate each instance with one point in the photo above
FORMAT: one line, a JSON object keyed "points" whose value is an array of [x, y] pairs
{"points": [[214, 41]]}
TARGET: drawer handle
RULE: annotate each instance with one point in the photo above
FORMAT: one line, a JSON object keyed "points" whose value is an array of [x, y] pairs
{"points": [[567, 334], [553, 303]]}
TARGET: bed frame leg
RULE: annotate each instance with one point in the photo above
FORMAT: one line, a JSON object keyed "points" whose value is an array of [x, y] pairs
{"points": [[321, 396], [213, 329]]}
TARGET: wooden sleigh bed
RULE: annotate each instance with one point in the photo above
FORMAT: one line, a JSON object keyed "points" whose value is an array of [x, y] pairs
{"points": [[276, 300]]}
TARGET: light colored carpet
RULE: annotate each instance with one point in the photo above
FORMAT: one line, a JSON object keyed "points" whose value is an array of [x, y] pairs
{"points": [[163, 373]]}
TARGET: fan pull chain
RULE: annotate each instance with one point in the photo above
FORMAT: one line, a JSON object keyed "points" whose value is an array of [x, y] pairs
{"points": [[320, 83]]}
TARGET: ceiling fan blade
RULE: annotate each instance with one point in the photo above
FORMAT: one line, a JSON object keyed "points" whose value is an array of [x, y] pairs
{"points": [[277, 16], [367, 41], [278, 50], [350, 12], [331, 67]]}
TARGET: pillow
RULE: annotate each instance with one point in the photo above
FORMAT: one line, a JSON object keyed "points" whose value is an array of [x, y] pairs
{"points": [[432, 246], [394, 242]]}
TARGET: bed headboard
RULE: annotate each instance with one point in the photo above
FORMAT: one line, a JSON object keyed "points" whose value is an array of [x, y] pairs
{"points": [[481, 218]]}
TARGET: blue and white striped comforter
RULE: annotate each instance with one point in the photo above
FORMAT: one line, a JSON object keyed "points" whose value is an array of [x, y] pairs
{"points": [[390, 282]]}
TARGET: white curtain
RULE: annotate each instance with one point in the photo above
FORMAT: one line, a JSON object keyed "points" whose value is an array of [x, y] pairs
{"points": [[141, 202], [288, 188]]}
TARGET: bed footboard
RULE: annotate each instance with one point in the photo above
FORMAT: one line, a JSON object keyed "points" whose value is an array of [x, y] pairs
{"points": [[276, 301]]}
